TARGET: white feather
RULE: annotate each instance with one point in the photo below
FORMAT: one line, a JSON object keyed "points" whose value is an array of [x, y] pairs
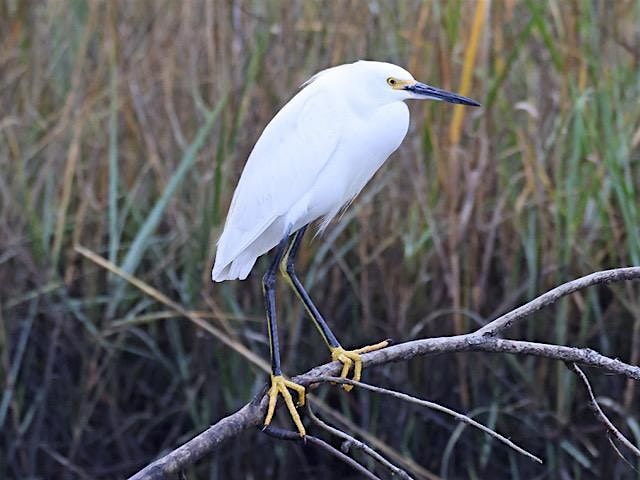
{"points": [[313, 158], [277, 174]]}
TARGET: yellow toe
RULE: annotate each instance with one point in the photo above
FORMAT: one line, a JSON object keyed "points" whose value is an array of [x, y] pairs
{"points": [[351, 358], [372, 348], [280, 386]]}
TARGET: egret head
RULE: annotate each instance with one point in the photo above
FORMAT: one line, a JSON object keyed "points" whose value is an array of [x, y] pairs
{"points": [[392, 83]]}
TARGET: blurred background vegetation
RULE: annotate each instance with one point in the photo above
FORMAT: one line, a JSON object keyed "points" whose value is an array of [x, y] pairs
{"points": [[124, 126]]}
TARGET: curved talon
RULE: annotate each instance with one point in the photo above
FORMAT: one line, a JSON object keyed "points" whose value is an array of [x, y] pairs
{"points": [[280, 385], [352, 358]]}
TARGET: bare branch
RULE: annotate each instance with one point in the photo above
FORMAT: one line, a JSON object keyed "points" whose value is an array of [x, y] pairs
{"points": [[584, 356], [349, 441], [600, 414], [474, 342], [252, 414], [433, 406], [552, 296], [482, 340]]}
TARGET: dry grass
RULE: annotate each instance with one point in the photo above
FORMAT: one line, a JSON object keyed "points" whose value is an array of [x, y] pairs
{"points": [[123, 128]]}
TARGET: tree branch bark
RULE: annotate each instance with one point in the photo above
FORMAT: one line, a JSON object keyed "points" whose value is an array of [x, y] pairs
{"points": [[552, 296], [252, 414], [482, 340]]}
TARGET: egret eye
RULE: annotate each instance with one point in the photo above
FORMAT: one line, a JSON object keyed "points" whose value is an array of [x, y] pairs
{"points": [[392, 82]]}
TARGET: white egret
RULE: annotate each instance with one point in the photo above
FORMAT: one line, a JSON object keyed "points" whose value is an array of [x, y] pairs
{"points": [[311, 160]]}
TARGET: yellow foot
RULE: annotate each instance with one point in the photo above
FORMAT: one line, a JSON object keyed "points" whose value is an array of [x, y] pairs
{"points": [[351, 358], [280, 385]]}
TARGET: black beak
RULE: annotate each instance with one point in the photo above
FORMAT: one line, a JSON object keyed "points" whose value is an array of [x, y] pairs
{"points": [[438, 94]]}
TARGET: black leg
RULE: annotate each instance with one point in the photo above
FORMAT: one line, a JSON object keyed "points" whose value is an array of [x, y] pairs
{"points": [[269, 291], [287, 268]]}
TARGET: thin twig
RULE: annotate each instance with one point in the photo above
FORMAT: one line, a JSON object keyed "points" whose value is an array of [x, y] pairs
{"points": [[345, 458], [620, 454], [434, 406], [290, 435], [352, 442], [406, 463], [600, 414]]}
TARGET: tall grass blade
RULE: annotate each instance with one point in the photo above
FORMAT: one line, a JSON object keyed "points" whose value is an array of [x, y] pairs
{"points": [[467, 69], [141, 240], [114, 175]]}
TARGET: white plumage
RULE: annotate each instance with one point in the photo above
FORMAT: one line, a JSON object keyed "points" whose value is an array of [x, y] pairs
{"points": [[315, 156]]}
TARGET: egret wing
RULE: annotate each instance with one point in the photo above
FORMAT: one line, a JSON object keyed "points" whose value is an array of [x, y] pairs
{"points": [[284, 164]]}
